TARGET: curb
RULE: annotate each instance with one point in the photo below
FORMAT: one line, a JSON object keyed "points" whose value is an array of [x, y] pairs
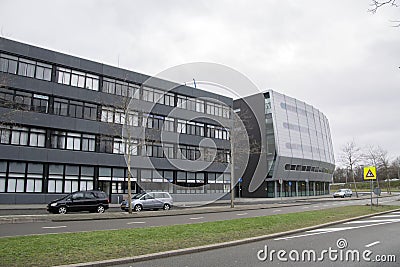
{"points": [[185, 251]]}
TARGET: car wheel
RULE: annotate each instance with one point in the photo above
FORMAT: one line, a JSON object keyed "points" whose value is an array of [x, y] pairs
{"points": [[138, 207], [100, 209], [166, 207], [62, 210]]}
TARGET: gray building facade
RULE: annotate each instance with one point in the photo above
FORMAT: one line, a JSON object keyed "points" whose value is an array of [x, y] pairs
{"points": [[62, 119], [293, 155]]}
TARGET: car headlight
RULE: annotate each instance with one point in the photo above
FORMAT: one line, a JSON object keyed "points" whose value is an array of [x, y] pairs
{"points": [[53, 204]]}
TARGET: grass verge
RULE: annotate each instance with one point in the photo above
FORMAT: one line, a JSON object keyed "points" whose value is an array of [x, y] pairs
{"points": [[58, 249]]}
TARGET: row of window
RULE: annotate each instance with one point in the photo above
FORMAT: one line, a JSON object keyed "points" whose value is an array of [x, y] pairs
{"points": [[162, 123], [36, 137], [77, 109], [77, 78], [16, 99], [26, 177], [23, 100], [25, 67], [303, 168], [34, 69]]}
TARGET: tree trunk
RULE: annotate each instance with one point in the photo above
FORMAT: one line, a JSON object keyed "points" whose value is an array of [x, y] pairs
{"points": [[129, 180], [355, 185]]}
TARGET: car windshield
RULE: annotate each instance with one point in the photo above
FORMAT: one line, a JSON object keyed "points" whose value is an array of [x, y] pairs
{"points": [[137, 196]]}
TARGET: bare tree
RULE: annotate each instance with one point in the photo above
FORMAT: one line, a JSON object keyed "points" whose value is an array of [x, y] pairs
{"points": [[384, 164], [373, 157], [376, 4], [122, 122], [396, 167], [339, 175], [351, 156]]}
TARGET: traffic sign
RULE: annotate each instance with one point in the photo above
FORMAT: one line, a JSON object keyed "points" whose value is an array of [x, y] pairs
{"points": [[280, 181], [369, 173], [377, 191], [290, 183], [240, 180]]}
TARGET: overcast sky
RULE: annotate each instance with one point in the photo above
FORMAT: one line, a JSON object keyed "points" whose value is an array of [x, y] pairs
{"points": [[334, 55]]}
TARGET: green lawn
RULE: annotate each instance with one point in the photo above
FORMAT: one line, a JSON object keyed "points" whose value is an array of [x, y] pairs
{"points": [[57, 249]]}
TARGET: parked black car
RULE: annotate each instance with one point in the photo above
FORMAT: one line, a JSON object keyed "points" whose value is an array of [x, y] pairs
{"points": [[93, 201]]}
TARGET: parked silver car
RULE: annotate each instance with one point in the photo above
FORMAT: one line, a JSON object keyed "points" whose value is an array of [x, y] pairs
{"points": [[149, 201]]}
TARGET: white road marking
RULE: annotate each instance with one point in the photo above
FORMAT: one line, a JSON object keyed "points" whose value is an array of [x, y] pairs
{"points": [[374, 221], [372, 244], [242, 214], [306, 207], [54, 227], [197, 218], [277, 210], [135, 222], [326, 232], [329, 229], [387, 216]]}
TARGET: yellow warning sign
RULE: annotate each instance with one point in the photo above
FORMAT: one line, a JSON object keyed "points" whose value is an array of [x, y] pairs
{"points": [[370, 173]]}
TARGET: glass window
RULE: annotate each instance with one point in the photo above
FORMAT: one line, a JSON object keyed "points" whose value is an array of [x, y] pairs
{"points": [[26, 68], [146, 176], [40, 103], [78, 79], [37, 137], [90, 112], [199, 177], [43, 71], [105, 174], [64, 76], [88, 142], [119, 146], [73, 141], [5, 134], [181, 176], [191, 177], [60, 107], [19, 136], [8, 64], [106, 144], [16, 181], [169, 125]]}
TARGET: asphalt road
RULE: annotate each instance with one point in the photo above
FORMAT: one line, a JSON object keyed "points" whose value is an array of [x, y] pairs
{"points": [[113, 224], [364, 242]]}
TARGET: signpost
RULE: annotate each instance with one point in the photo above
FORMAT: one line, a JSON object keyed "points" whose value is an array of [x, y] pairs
{"points": [[370, 174], [281, 183]]}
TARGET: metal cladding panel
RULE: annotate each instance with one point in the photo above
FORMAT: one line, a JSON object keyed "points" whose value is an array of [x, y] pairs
{"points": [[282, 134], [301, 131]]}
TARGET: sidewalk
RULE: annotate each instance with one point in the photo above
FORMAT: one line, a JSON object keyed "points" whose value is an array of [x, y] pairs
{"points": [[237, 201]]}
